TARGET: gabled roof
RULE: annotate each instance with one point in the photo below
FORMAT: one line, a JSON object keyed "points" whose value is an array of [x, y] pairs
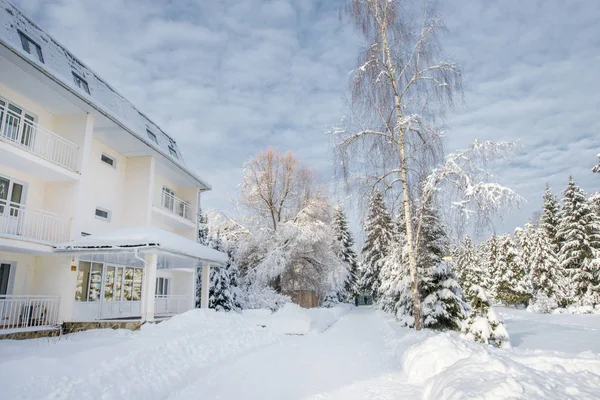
{"points": [[61, 64], [143, 237]]}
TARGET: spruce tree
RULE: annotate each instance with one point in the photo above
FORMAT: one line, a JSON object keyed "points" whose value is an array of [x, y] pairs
{"points": [[550, 219], [488, 254], [578, 234], [378, 233], [202, 228], [468, 268], [347, 254], [484, 325], [511, 278], [444, 305]]}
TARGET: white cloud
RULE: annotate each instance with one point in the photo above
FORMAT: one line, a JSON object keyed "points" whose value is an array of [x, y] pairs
{"points": [[229, 78]]}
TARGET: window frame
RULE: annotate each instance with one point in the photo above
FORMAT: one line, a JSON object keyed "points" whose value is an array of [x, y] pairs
{"points": [[113, 159], [25, 39], [152, 136], [80, 82], [173, 152], [162, 291], [108, 214]]}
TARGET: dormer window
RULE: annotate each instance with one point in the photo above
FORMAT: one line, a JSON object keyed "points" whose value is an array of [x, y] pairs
{"points": [[30, 46], [173, 152], [80, 82], [152, 136]]}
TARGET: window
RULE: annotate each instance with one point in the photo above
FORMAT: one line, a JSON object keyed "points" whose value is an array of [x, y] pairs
{"points": [[168, 198], [30, 46], [105, 158], [152, 136], [18, 124], [80, 82], [173, 151], [162, 287], [102, 282], [84, 234], [102, 213]]}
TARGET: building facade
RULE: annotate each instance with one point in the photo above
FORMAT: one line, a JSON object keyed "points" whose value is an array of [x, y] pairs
{"points": [[98, 211]]}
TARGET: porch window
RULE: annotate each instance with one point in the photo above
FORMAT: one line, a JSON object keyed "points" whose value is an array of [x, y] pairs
{"points": [[162, 287], [98, 281]]}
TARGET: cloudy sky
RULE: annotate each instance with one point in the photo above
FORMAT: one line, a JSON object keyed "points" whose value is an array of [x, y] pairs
{"points": [[229, 78]]}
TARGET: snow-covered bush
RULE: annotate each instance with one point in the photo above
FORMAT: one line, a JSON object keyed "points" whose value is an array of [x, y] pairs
{"points": [[331, 300], [542, 303], [484, 325], [265, 297]]}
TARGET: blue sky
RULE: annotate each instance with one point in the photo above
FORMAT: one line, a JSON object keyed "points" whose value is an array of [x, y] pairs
{"points": [[227, 79]]}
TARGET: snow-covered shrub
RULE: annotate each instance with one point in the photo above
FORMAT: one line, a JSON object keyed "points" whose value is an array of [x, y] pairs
{"points": [[542, 303], [265, 297], [331, 300], [484, 325]]}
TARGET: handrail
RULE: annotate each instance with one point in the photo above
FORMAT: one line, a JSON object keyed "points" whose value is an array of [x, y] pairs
{"points": [[30, 223], [26, 312], [28, 135], [176, 205]]}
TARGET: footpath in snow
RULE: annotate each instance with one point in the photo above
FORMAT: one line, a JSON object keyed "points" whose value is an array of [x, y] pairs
{"points": [[305, 354]]}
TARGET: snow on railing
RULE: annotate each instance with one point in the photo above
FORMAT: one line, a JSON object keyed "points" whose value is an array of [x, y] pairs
{"points": [[171, 304], [19, 312], [21, 132], [176, 205], [29, 223]]}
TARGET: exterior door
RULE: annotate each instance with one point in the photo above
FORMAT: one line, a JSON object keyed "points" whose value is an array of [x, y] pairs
{"points": [[12, 198], [17, 124], [4, 278]]}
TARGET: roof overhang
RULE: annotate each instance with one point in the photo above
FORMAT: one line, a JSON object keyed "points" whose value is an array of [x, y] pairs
{"points": [[125, 246]]}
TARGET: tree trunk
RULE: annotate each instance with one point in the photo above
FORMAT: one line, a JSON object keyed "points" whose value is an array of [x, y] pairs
{"points": [[412, 246]]}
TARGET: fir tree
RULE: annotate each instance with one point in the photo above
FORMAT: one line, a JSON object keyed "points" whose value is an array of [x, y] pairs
{"points": [[484, 325], [550, 219], [578, 256], [378, 232], [444, 306], [467, 264], [347, 254], [488, 253], [511, 279], [225, 294], [202, 228]]}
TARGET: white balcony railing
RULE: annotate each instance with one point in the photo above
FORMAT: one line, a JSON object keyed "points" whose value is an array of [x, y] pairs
{"points": [[176, 205], [28, 223], [28, 311], [171, 304], [29, 136]]}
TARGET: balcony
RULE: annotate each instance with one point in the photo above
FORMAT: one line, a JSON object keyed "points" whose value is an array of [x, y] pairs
{"points": [[172, 212], [28, 313], [25, 134], [20, 222]]}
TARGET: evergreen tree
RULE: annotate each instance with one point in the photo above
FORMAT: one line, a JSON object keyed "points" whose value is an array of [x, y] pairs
{"points": [[347, 254], [394, 292], [379, 233], [202, 228], [444, 305], [578, 256], [468, 269], [512, 281], [550, 219], [225, 293], [484, 325], [488, 253]]}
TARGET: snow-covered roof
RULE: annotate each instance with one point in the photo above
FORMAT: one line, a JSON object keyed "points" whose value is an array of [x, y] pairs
{"points": [[143, 237], [62, 65]]}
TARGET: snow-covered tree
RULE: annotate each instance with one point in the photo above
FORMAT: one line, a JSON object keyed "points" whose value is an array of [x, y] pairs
{"points": [[484, 325], [511, 280], [488, 254], [220, 296], [596, 167], [378, 238], [579, 235], [347, 255], [468, 267], [547, 280], [550, 219], [202, 227]]}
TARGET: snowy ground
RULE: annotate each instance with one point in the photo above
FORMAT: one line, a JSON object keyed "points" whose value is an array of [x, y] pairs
{"points": [[364, 355]]}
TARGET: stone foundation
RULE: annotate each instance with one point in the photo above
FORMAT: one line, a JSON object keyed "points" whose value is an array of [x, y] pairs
{"points": [[31, 334], [73, 327]]}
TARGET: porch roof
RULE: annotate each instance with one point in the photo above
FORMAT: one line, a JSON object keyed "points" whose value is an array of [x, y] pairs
{"points": [[142, 238]]}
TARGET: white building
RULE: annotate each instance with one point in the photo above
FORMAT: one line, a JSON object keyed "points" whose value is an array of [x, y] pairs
{"points": [[98, 212]]}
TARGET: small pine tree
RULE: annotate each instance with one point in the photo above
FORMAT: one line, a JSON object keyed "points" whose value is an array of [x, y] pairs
{"points": [[579, 236], [547, 280], [378, 233], [220, 296], [488, 253], [484, 325], [347, 254], [467, 264]]}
